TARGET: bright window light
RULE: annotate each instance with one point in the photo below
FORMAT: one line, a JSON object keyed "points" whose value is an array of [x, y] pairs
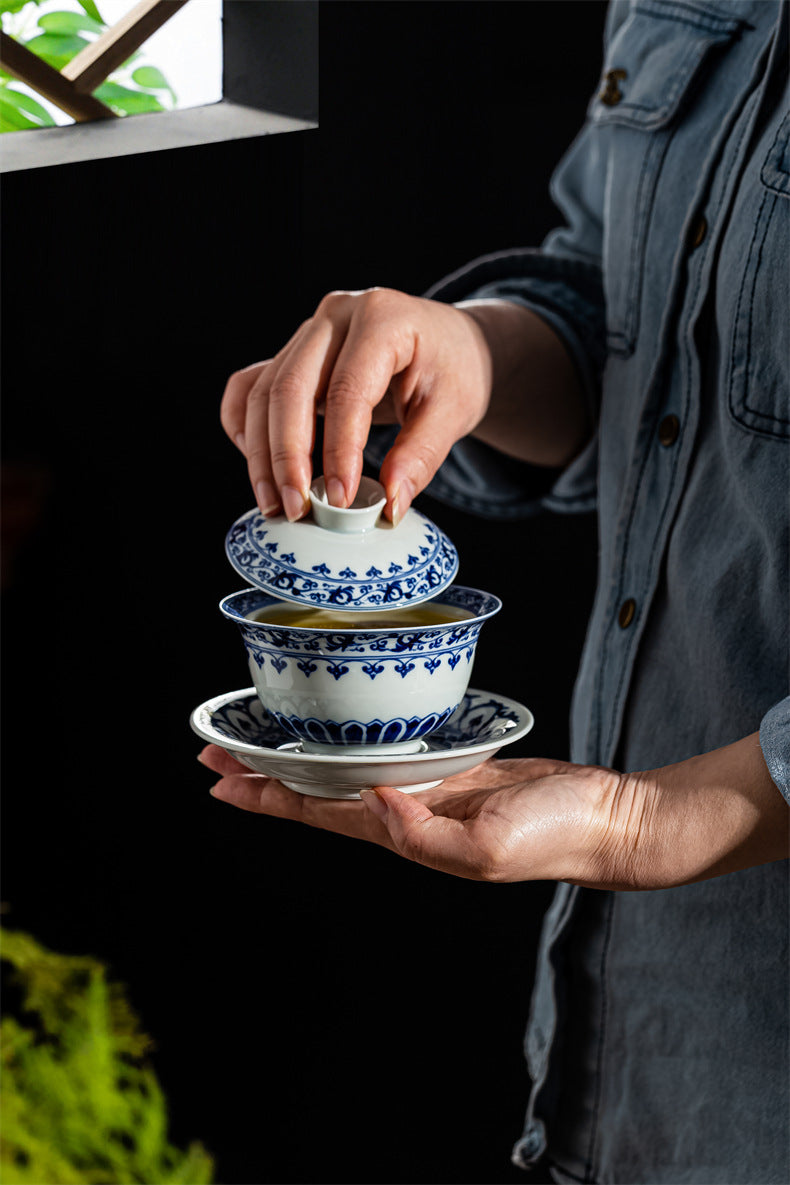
{"points": [[187, 49]]}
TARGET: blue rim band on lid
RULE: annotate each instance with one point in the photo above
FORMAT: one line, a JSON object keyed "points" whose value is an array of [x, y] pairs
{"points": [[372, 570]]}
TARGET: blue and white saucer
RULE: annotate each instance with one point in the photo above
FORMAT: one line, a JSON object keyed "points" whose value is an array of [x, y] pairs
{"points": [[482, 724]]}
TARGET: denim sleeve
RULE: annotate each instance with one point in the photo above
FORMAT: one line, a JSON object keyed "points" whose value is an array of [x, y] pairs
{"points": [[562, 283], [566, 292], [775, 744]]}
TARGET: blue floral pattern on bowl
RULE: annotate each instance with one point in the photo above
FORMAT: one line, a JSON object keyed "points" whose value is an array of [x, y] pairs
{"points": [[480, 717], [358, 732], [404, 650], [379, 685]]}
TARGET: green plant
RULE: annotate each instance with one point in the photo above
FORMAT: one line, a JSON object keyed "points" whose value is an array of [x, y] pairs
{"points": [[59, 36], [80, 1102]]}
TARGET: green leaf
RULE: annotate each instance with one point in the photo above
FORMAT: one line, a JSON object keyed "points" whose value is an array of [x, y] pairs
{"points": [[151, 78], [12, 120], [91, 9], [125, 100], [56, 48], [15, 5], [26, 104], [67, 23]]}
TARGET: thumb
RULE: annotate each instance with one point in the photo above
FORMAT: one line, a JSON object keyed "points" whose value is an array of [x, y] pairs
{"points": [[420, 835], [430, 430], [391, 805]]}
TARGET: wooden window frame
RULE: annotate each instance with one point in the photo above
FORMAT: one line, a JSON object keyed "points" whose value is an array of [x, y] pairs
{"points": [[279, 96]]}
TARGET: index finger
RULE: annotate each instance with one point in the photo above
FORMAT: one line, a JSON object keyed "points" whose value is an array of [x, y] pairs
{"points": [[371, 355], [281, 413], [267, 796]]}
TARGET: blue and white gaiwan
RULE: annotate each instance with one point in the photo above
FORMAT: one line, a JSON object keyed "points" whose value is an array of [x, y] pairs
{"points": [[371, 682]]}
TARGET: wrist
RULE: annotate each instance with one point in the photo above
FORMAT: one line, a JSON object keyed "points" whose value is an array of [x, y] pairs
{"points": [[536, 411], [618, 843], [729, 813], [709, 815]]}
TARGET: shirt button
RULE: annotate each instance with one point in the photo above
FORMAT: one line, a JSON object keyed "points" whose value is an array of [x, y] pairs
{"points": [[610, 92], [668, 430], [698, 232], [626, 614]]}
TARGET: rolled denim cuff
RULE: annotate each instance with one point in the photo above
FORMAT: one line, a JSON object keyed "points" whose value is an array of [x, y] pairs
{"points": [[775, 744], [567, 294]]}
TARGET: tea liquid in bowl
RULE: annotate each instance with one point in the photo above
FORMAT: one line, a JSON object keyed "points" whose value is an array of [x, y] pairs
{"points": [[301, 617], [361, 681]]}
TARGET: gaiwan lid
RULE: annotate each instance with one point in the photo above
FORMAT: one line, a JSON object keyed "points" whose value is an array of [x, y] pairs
{"points": [[344, 559]]}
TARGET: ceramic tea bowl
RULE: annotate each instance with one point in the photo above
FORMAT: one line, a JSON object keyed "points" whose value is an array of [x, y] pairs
{"points": [[361, 688]]}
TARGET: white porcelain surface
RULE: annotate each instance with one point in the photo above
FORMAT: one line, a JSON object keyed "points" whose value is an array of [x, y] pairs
{"points": [[355, 561], [362, 515], [481, 726], [353, 686]]}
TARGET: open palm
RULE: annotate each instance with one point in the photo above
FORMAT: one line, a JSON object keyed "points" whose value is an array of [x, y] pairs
{"points": [[506, 820]]}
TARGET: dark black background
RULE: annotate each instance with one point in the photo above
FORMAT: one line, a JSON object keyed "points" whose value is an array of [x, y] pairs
{"points": [[322, 1011]]}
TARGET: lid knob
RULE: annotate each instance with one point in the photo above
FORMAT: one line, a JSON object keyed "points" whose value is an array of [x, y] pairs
{"points": [[362, 515]]}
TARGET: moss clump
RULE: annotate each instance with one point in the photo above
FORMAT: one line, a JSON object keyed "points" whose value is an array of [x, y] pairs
{"points": [[80, 1103]]}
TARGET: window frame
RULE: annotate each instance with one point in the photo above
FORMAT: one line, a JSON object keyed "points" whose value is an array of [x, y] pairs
{"points": [[283, 97]]}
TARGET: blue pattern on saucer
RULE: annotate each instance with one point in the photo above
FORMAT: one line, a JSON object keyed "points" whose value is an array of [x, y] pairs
{"points": [[479, 718]]}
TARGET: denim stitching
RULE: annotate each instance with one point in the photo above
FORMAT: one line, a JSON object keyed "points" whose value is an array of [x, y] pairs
{"points": [[716, 23], [629, 647], [741, 291], [637, 242], [620, 114], [626, 331], [675, 459], [682, 20], [588, 1175], [761, 225], [649, 173], [769, 217], [555, 1164], [682, 82], [637, 273], [763, 415], [772, 175]]}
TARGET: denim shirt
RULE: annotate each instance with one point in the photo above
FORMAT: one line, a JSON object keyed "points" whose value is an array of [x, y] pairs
{"points": [[658, 1034]]}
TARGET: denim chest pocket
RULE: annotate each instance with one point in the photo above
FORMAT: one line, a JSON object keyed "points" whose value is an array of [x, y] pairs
{"points": [[653, 64], [757, 384]]}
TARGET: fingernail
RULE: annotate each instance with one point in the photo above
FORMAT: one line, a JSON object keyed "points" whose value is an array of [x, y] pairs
{"points": [[241, 442], [401, 501], [268, 498], [374, 802], [294, 503], [335, 492], [395, 508]]}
